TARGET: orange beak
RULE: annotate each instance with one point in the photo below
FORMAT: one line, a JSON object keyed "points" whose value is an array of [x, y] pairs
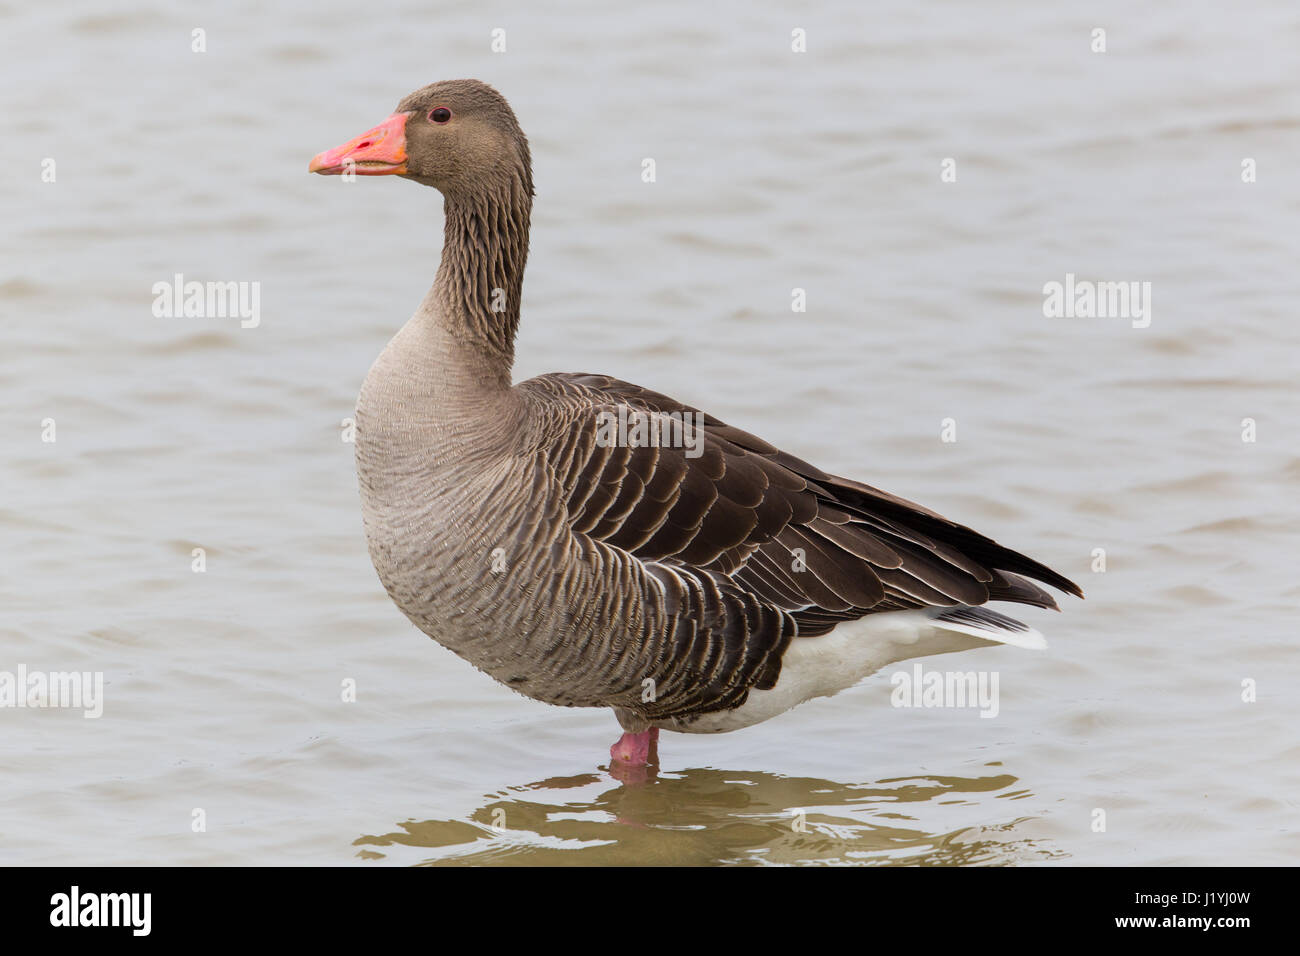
{"points": [[377, 152]]}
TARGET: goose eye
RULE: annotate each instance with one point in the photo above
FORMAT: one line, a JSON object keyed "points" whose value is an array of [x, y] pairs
{"points": [[439, 115]]}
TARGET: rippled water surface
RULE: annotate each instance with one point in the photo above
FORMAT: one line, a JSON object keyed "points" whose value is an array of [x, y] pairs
{"points": [[775, 170]]}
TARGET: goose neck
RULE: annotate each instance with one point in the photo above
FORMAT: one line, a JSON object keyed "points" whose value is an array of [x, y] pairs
{"points": [[480, 278]]}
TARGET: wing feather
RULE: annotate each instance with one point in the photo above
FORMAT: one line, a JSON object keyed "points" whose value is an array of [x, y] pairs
{"points": [[751, 545]]}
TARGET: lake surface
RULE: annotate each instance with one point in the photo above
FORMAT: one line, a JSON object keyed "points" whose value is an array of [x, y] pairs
{"points": [[223, 709]]}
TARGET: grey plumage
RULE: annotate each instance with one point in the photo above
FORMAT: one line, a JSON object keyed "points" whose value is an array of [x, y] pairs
{"points": [[581, 574]]}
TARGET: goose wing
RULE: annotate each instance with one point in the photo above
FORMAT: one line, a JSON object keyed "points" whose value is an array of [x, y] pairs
{"points": [[824, 548], [753, 546]]}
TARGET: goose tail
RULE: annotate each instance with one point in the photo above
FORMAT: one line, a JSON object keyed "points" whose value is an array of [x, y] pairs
{"points": [[989, 625]]}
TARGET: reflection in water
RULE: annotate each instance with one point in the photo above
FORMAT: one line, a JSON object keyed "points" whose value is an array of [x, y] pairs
{"points": [[706, 816]]}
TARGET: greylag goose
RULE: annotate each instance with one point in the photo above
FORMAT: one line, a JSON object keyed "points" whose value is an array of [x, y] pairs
{"points": [[591, 543]]}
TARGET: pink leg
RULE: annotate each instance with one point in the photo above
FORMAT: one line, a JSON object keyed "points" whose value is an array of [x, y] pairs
{"points": [[637, 749]]}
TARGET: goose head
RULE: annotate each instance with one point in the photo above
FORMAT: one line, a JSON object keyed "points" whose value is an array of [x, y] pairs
{"points": [[457, 136]]}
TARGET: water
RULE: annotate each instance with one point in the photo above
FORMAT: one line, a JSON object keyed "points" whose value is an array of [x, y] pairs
{"points": [[775, 170]]}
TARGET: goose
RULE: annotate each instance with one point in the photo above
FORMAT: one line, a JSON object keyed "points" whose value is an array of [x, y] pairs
{"points": [[591, 543]]}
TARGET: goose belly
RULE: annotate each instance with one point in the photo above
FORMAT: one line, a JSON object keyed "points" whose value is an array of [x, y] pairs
{"points": [[825, 665]]}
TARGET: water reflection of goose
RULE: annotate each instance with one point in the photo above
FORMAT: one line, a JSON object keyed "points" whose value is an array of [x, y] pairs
{"points": [[707, 817]]}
